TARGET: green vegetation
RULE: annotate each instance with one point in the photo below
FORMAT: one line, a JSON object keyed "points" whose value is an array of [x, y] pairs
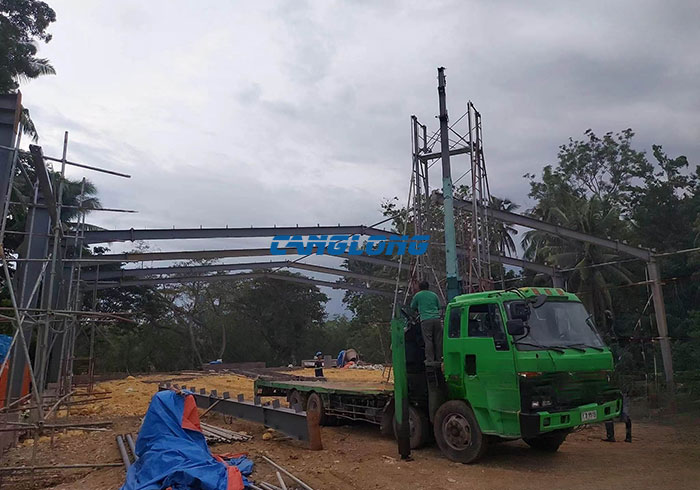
{"points": [[23, 24]]}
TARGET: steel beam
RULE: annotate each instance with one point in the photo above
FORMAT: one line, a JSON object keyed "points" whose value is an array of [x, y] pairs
{"points": [[179, 255], [240, 277], [515, 262], [218, 254], [328, 284], [285, 420], [104, 236], [435, 156], [200, 269], [528, 222]]}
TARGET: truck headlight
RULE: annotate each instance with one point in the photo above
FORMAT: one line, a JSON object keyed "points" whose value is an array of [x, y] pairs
{"points": [[535, 404]]}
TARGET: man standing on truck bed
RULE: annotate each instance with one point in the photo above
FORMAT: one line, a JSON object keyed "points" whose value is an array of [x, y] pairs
{"points": [[427, 304]]}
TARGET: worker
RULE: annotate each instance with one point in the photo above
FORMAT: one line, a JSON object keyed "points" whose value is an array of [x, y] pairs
{"points": [[624, 417], [427, 304], [616, 349], [318, 365]]}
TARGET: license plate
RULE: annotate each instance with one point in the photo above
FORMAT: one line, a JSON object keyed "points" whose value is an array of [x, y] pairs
{"points": [[589, 415]]}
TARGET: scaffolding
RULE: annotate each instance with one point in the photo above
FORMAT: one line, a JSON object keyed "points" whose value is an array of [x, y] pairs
{"points": [[472, 231], [41, 279], [472, 240]]}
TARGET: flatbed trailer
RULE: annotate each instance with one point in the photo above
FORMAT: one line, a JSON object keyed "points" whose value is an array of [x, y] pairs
{"points": [[335, 400]]}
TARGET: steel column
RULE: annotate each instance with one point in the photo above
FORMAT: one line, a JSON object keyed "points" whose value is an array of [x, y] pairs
{"points": [[35, 246], [661, 325], [10, 110], [453, 282]]}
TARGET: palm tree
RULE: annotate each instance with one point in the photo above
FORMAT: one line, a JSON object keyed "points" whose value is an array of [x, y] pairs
{"points": [[502, 233], [77, 194], [74, 193], [592, 269]]}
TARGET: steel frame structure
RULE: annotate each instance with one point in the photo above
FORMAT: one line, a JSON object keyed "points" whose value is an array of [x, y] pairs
{"points": [[50, 277], [43, 287]]}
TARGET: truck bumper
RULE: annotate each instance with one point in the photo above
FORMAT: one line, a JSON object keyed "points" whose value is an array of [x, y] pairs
{"points": [[534, 424]]}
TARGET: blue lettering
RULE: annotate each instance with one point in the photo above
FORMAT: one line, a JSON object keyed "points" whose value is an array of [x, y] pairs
{"points": [[355, 246], [419, 245], [397, 243], [319, 241], [375, 245], [275, 242], [338, 244], [298, 243]]}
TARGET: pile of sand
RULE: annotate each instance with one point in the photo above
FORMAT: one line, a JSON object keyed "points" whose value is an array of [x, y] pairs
{"points": [[130, 396]]}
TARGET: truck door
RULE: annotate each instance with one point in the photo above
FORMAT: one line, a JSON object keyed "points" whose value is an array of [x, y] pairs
{"points": [[489, 378]]}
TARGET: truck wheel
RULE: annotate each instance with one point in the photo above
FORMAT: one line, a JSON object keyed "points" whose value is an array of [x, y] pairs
{"points": [[457, 432], [549, 442], [314, 404], [418, 427], [296, 398]]}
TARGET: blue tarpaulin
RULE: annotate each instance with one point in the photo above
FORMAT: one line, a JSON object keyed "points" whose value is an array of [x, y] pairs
{"points": [[173, 453], [5, 342]]}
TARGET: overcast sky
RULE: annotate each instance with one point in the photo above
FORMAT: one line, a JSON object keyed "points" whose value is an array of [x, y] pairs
{"points": [[260, 112]]}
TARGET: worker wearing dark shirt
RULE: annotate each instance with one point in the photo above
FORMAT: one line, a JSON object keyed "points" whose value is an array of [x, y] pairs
{"points": [[427, 304], [318, 365]]}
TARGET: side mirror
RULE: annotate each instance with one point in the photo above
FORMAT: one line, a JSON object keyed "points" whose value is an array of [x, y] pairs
{"points": [[520, 311], [516, 327], [540, 299]]}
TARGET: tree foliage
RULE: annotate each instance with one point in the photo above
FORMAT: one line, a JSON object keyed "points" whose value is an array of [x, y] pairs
{"points": [[605, 187], [23, 24], [185, 326]]}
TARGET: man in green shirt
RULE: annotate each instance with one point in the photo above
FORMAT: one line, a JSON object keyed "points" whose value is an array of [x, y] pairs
{"points": [[427, 304]]}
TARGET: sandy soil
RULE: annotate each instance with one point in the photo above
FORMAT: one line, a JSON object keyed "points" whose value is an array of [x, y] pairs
{"points": [[358, 457], [131, 396]]}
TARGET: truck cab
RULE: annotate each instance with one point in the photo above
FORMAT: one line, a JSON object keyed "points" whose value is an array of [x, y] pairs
{"points": [[525, 363]]}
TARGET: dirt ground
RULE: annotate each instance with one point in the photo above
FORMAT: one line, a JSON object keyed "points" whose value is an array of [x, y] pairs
{"points": [[663, 455]]}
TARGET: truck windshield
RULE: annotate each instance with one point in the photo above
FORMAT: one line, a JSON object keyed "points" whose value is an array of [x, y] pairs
{"points": [[560, 324]]}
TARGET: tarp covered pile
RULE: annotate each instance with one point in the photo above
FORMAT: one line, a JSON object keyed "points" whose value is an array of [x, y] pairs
{"points": [[173, 454], [5, 343]]}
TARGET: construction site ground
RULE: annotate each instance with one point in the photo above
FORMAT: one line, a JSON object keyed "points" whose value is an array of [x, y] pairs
{"points": [[664, 454]]}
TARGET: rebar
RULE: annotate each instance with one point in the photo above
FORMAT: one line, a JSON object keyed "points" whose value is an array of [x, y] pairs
{"points": [[122, 451], [304, 485]]}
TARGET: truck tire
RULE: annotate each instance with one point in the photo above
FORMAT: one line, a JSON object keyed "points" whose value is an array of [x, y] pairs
{"points": [[314, 404], [548, 442], [296, 398], [419, 428], [458, 434]]}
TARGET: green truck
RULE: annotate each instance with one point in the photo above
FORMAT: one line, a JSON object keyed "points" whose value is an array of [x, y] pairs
{"points": [[521, 363]]}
